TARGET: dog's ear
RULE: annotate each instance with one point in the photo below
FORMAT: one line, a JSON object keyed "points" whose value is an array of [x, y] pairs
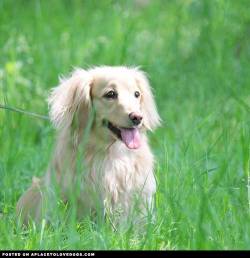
{"points": [[150, 114], [68, 97]]}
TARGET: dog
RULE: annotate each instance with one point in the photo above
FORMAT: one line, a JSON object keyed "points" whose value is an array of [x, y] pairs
{"points": [[110, 109]]}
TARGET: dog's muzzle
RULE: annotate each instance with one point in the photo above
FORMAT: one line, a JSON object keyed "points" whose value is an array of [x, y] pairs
{"points": [[129, 136]]}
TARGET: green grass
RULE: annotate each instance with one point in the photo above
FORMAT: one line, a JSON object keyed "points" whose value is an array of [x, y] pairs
{"points": [[197, 56]]}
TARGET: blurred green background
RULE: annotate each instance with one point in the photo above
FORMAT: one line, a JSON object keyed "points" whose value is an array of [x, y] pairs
{"points": [[197, 56]]}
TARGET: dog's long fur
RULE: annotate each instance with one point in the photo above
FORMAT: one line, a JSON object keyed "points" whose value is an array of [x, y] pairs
{"points": [[113, 175]]}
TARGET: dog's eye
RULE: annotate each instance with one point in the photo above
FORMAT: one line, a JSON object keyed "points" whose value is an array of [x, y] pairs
{"points": [[137, 94], [111, 95]]}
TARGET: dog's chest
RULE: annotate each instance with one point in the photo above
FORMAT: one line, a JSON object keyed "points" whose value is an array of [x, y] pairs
{"points": [[114, 170], [119, 173]]}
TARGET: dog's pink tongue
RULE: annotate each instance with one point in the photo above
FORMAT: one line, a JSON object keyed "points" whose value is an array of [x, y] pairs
{"points": [[131, 137]]}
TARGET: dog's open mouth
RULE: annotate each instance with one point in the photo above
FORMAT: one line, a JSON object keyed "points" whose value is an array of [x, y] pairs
{"points": [[129, 136]]}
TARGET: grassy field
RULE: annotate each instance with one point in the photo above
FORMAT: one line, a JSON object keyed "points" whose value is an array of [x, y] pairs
{"points": [[197, 56]]}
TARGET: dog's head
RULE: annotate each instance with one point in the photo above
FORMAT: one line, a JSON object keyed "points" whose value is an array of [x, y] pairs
{"points": [[121, 98]]}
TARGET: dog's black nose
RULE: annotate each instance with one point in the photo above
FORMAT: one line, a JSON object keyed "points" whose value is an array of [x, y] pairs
{"points": [[135, 118]]}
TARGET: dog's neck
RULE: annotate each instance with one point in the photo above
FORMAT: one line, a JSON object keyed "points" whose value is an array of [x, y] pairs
{"points": [[98, 142]]}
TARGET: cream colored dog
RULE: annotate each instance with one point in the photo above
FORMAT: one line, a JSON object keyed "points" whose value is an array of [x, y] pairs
{"points": [[108, 110]]}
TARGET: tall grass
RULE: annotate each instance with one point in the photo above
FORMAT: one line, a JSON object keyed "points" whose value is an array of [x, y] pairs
{"points": [[197, 56]]}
